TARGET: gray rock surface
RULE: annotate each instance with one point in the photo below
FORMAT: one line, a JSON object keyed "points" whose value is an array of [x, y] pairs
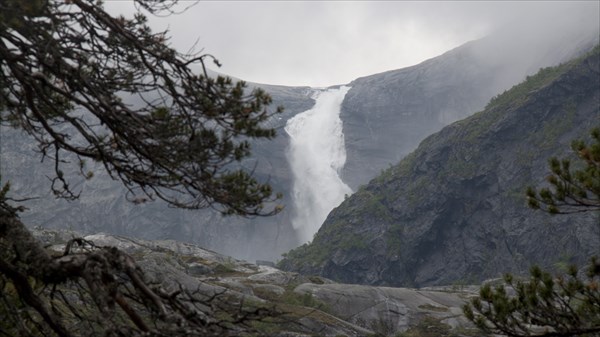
{"points": [[103, 207], [316, 307], [454, 210], [388, 310], [385, 116]]}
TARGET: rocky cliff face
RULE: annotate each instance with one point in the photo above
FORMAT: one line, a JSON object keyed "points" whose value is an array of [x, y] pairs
{"points": [[453, 211], [384, 117], [103, 205], [387, 115]]}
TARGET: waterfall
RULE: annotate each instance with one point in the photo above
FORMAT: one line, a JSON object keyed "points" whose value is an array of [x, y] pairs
{"points": [[316, 156]]}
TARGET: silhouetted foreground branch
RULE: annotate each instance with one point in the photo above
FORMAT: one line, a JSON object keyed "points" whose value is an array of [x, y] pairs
{"points": [[109, 90]]}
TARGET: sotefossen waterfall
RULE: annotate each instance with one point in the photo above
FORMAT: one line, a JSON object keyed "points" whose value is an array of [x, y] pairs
{"points": [[316, 156]]}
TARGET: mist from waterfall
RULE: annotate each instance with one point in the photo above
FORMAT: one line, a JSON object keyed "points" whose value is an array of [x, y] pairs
{"points": [[316, 155]]}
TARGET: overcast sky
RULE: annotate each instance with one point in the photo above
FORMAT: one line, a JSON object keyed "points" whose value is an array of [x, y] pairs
{"points": [[334, 42]]}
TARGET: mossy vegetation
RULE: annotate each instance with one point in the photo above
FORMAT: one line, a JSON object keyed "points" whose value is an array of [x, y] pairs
{"points": [[374, 205], [458, 166], [292, 307], [403, 168], [222, 269], [352, 242], [341, 234], [433, 308], [394, 239], [307, 255], [429, 327], [519, 93], [305, 300], [433, 327], [314, 254], [516, 96], [553, 128]]}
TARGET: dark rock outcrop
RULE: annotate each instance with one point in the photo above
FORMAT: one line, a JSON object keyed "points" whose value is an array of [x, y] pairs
{"points": [[454, 210]]}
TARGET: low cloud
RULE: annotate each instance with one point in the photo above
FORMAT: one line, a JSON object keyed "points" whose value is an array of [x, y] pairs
{"points": [[327, 43]]}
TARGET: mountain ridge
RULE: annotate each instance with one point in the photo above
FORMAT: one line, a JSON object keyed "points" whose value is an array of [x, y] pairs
{"points": [[387, 115], [397, 129], [454, 210]]}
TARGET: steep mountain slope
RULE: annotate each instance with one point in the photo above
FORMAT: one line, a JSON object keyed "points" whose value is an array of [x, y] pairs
{"points": [[103, 205], [454, 209], [387, 115], [384, 117]]}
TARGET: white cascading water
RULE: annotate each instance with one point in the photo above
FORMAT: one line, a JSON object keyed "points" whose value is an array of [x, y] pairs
{"points": [[316, 155]]}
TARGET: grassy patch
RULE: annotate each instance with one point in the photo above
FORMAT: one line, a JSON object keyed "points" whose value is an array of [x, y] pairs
{"points": [[308, 255], [433, 308], [305, 300], [429, 327]]}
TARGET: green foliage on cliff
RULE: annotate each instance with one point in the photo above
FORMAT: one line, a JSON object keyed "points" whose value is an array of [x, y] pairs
{"points": [[431, 327], [519, 93], [547, 305], [522, 91]]}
